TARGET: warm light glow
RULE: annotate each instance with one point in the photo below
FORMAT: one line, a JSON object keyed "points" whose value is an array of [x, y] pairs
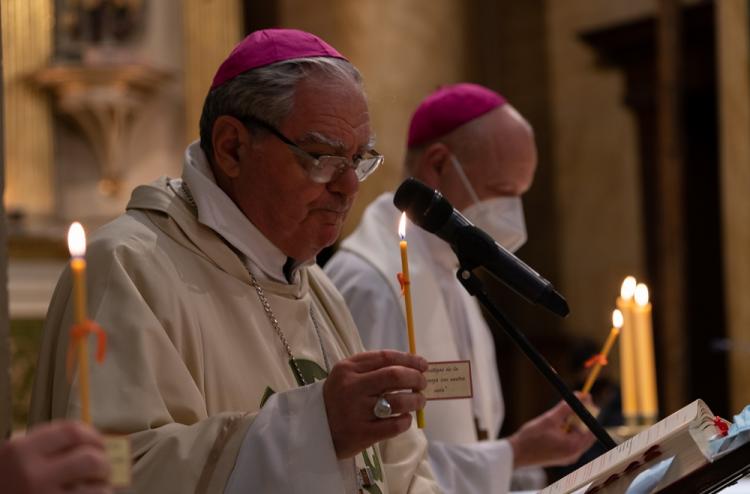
{"points": [[617, 319], [641, 294], [76, 240], [627, 290], [402, 226]]}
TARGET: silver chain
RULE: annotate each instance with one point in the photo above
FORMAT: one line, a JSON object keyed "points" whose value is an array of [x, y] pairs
{"points": [[358, 474], [269, 312], [275, 323]]}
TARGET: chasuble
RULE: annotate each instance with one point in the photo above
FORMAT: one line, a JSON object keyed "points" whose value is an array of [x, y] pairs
{"points": [[195, 374]]}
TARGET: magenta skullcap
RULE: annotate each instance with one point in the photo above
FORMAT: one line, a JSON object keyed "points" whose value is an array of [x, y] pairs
{"points": [[448, 108], [267, 46]]}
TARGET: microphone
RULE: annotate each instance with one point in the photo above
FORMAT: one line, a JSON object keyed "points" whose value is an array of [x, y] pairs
{"points": [[428, 209]]}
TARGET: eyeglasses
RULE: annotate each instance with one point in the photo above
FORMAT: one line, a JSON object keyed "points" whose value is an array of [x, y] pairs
{"points": [[324, 168]]}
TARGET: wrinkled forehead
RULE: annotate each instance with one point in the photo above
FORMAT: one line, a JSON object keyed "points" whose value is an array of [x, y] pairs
{"points": [[338, 145], [331, 112]]}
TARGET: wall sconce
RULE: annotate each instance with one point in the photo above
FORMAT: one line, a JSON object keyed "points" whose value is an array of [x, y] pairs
{"points": [[104, 100]]}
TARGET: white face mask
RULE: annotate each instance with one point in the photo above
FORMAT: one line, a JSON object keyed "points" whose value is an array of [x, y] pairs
{"points": [[501, 217]]}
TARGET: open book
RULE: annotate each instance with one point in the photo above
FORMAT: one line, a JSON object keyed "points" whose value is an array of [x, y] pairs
{"points": [[682, 437]]}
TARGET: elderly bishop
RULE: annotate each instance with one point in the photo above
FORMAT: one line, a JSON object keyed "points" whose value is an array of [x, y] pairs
{"points": [[233, 362]]}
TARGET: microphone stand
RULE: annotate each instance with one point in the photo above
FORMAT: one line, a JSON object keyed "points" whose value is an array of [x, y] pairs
{"points": [[475, 287]]}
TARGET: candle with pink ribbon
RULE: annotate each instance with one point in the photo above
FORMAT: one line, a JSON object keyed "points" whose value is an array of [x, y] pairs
{"points": [[406, 289], [600, 359]]}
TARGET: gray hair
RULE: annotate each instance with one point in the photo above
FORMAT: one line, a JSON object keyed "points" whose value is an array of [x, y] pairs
{"points": [[267, 93]]}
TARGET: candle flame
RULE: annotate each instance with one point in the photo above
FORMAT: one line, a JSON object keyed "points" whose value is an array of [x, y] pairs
{"points": [[402, 226], [76, 240], [617, 319], [641, 294], [627, 289]]}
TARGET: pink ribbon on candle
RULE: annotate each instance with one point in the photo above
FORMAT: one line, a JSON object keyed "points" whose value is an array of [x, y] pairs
{"points": [[403, 282], [596, 359], [79, 331]]}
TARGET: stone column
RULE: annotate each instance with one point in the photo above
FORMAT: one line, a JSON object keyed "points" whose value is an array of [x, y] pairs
{"points": [[734, 118], [210, 31], [671, 274], [27, 47], [5, 419]]}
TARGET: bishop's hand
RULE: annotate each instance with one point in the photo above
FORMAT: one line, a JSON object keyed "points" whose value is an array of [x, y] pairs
{"points": [[549, 440], [354, 386]]}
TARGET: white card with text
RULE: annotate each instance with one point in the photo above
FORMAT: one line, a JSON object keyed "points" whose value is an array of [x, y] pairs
{"points": [[448, 380]]}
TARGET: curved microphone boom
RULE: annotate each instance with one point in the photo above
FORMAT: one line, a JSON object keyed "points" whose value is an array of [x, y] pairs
{"points": [[428, 209]]}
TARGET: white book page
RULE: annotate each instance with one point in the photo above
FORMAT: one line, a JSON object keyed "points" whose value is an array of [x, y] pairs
{"points": [[631, 450]]}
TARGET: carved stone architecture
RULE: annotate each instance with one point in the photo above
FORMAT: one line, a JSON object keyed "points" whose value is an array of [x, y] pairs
{"points": [[104, 100]]}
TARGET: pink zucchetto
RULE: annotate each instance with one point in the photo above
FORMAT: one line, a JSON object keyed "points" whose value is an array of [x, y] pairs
{"points": [[448, 108], [268, 46]]}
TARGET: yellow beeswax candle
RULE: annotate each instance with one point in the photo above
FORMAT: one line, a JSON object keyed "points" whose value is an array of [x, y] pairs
{"points": [[602, 357], [407, 299], [628, 379], [648, 407], [77, 247]]}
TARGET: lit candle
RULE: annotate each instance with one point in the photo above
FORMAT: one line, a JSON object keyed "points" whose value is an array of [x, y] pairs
{"points": [[601, 358], [404, 279], [648, 407], [77, 247], [628, 379]]}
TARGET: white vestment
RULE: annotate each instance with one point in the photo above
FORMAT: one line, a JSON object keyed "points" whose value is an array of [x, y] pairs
{"points": [[195, 373], [448, 326]]}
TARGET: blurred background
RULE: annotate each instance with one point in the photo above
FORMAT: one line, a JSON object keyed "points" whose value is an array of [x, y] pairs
{"points": [[641, 110]]}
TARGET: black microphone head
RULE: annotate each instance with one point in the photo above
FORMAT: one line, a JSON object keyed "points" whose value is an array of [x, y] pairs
{"points": [[554, 302], [424, 206]]}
